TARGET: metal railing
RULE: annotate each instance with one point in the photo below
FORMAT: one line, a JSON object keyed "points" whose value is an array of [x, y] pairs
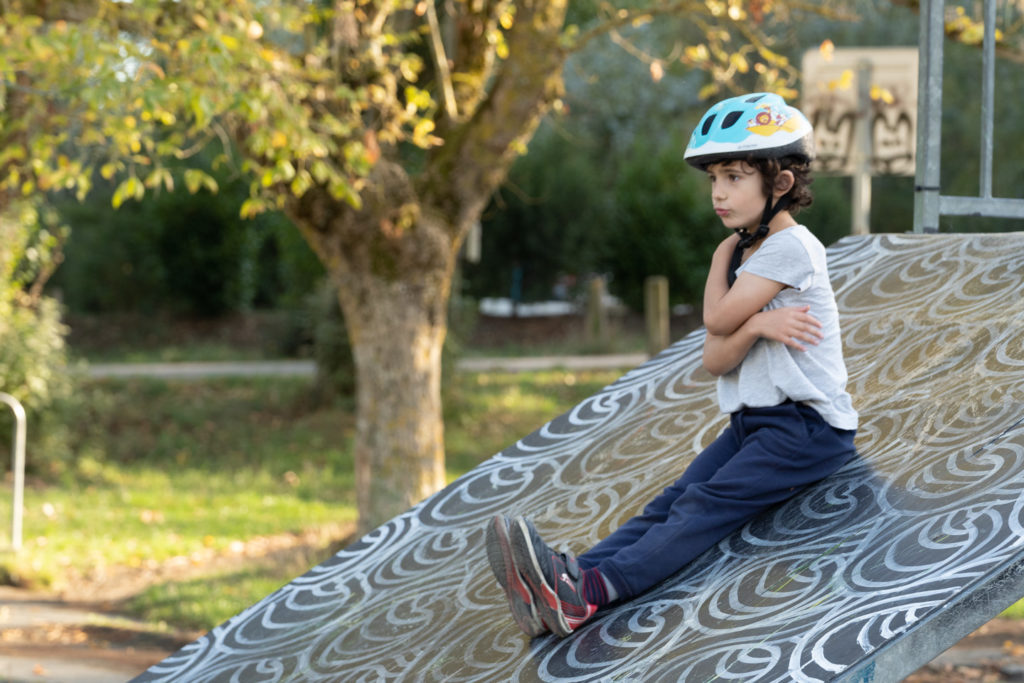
{"points": [[18, 469], [929, 202]]}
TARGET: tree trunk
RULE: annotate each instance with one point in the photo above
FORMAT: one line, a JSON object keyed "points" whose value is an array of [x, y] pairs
{"points": [[392, 261], [398, 330]]}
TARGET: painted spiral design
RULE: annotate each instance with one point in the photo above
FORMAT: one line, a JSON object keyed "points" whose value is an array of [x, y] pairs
{"points": [[934, 336]]}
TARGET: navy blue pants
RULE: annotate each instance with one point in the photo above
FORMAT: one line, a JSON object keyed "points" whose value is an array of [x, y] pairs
{"points": [[763, 457]]}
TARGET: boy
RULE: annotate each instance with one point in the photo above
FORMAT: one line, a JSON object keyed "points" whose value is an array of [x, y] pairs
{"points": [[772, 340]]}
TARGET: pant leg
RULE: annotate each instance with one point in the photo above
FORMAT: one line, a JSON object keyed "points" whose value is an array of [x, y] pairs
{"points": [[703, 467], [783, 449]]}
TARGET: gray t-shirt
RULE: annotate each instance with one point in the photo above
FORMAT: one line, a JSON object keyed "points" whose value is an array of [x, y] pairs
{"points": [[773, 372]]}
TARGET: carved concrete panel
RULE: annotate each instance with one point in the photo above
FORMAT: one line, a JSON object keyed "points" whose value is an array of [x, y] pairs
{"points": [[865, 576]]}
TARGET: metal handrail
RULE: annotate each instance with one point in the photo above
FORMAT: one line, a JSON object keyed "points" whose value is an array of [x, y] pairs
{"points": [[929, 202], [18, 467]]}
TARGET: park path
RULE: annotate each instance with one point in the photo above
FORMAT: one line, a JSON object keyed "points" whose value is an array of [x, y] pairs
{"points": [[305, 368]]}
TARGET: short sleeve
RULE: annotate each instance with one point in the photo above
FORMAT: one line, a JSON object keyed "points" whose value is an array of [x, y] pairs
{"points": [[784, 259]]}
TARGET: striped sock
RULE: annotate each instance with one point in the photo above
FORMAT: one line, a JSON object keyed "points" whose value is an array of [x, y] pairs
{"points": [[595, 591]]}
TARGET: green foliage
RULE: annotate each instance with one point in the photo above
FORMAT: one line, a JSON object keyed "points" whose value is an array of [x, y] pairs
{"points": [[549, 220], [142, 84], [33, 364], [574, 208], [664, 224], [181, 252], [335, 367]]}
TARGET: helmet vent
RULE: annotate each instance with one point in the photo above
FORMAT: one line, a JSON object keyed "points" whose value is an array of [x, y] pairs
{"points": [[755, 98], [730, 119], [707, 125]]}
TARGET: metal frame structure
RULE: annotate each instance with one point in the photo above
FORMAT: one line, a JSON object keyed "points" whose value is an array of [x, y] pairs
{"points": [[929, 202], [18, 468]]}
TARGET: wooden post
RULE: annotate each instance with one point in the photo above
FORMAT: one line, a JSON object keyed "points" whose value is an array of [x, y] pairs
{"points": [[656, 313], [597, 316]]}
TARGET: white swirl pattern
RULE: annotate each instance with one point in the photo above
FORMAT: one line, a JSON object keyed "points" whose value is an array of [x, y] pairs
{"points": [[932, 508]]}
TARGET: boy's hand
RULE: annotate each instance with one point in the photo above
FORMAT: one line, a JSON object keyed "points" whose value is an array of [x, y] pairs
{"points": [[791, 326]]}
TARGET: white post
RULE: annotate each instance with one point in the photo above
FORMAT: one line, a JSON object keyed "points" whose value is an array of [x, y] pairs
{"points": [[18, 468], [862, 150]]}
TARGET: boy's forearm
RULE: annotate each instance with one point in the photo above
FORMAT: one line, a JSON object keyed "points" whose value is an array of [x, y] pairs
{"points": [[722, 353]]}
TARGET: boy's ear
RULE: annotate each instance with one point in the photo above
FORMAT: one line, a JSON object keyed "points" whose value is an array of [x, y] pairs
{"points": [[784, 182]]}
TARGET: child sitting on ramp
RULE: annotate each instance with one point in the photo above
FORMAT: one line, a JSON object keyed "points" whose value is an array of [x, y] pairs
{"points": [[773, 341]]}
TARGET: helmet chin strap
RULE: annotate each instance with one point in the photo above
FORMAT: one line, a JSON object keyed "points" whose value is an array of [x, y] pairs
{"points": [[748, 240]]}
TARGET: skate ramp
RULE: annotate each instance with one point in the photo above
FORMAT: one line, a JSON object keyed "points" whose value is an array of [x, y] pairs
{"points": [[865, 576]]}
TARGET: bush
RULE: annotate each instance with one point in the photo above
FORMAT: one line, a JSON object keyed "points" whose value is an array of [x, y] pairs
{"points": [[548, 220], [33, 364], [181, 253], [33, 361], [335, 368], [665, 224]]}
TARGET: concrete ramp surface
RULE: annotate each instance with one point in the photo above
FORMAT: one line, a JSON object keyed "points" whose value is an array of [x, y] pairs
{"points": [[865, 576]]}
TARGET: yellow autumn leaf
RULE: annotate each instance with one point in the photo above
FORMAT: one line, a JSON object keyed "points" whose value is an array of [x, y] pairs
{"points": [[278, 139], [827, 50], [844, 82], [880, 94], [736, 11], [252, 207], [657, 71], [698, 53]]}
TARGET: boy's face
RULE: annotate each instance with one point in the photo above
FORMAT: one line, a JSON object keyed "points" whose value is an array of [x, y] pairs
{"points": [[737, 194]]}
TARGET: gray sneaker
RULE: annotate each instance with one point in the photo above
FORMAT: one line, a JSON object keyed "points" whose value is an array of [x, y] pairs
{"points": [[520, 600], [554, 578]]}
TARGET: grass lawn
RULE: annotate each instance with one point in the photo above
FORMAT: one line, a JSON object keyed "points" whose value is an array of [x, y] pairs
{"points": [[170, 471]]}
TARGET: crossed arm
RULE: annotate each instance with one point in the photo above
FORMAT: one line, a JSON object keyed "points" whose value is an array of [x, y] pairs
{"points": [[734, 318]]}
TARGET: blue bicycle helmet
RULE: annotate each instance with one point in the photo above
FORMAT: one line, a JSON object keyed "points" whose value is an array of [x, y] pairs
{"points": [[758, 125]]}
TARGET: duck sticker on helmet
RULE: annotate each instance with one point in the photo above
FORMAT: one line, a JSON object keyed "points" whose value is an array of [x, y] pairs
{"points": [[769, 122]]}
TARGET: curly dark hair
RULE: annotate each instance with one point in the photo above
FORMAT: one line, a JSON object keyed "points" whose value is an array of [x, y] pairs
{"points": [[800, 195]]}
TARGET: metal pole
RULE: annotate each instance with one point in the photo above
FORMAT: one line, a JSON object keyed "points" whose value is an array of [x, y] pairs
{"points": [[861, 220], [988, 98], [929, 117], [18, 467]]}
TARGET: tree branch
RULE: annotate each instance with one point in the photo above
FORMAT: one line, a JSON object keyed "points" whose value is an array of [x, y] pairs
{"points": [[628, 17], [444, 75]]}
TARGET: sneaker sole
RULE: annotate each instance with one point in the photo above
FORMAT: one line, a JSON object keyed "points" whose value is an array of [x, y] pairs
{"points": [[548, 605], [520, 600]]}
